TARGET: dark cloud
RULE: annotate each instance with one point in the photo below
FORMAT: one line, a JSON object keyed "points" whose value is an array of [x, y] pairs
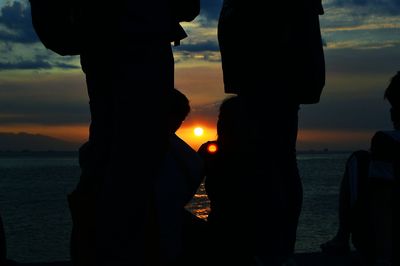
{"points": [[66, 66], [16, 19], [34, 65], [23, 65], [365, 61], [208, 50], [390, 7], [209, 46], [43, 110], [210, 11], [369, 2]]}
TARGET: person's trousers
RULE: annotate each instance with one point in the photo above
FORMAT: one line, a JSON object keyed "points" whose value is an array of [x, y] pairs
{"points": [[274, 187], [127, 141]]}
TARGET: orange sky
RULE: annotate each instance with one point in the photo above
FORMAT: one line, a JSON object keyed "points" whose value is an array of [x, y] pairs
{"points": [[43, 93], [317, 139]]}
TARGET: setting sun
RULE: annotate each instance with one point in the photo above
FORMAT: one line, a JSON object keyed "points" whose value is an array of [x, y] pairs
{"points": [[198, 131], [188, 134]]}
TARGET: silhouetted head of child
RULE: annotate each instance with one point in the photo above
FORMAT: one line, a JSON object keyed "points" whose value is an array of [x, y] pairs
{"points": [[392, 94], [228, 121], [178, 109]]}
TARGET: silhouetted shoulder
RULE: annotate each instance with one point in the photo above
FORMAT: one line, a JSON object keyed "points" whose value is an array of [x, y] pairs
{"points": [[385, 145], [385, 156]]}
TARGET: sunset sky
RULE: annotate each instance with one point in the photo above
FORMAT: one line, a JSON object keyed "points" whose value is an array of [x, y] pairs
{"points": [[41, 92]]}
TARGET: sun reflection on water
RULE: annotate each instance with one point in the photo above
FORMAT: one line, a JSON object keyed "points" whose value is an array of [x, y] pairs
{"points": [[200, 204]]}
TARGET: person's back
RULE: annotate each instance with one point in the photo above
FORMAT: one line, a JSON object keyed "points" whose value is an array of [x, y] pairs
{"points": [[106, 24], [228, 190], [273, 77], [256, 43]]}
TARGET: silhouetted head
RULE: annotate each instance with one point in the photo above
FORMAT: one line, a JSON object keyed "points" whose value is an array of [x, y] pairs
{"points": [[392, 94], [228, 125], [178, 109]]}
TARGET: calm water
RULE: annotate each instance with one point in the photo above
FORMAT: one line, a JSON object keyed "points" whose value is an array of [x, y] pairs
{"points": [[33, 204]]}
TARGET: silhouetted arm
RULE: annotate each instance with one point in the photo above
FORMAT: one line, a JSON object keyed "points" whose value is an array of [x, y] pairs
{"points": [[382, 222], [382, 197]]}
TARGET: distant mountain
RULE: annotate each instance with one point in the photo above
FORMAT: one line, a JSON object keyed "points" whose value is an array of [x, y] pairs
{"points": [[34, 142]]}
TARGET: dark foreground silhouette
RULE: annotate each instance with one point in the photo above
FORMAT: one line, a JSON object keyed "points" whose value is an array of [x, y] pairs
{"points": [[273, 78], [302, 259], [369, 194], [127, 59]]}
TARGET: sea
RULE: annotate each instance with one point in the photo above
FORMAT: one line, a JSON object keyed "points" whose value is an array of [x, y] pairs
{"points": [[34, 209]]}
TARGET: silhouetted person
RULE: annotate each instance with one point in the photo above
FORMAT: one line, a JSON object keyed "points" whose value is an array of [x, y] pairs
{"points": [[177, 183], [126, 55], [128, 63], [369, 195], [179, 178], [226, 185], [273, 58], [3, 247]]}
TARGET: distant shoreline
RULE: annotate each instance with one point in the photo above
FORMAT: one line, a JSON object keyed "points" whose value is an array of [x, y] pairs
{"points": [[70, 153], [323, 151], [29, 153]]}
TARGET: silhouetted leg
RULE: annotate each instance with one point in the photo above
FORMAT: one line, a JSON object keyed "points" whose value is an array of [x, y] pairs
{"points": [[359, 205], [275, 188], [343, 233], [141, 75], [351, 188], [94, 155], [93, 158], [293, 189]]}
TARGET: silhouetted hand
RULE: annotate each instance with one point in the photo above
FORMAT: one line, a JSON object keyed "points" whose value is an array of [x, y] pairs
{"points": [[208, 152]]}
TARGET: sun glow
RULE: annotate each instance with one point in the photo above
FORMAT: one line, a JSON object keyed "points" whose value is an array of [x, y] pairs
{"points": [[198, 131], [186, 133]]}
